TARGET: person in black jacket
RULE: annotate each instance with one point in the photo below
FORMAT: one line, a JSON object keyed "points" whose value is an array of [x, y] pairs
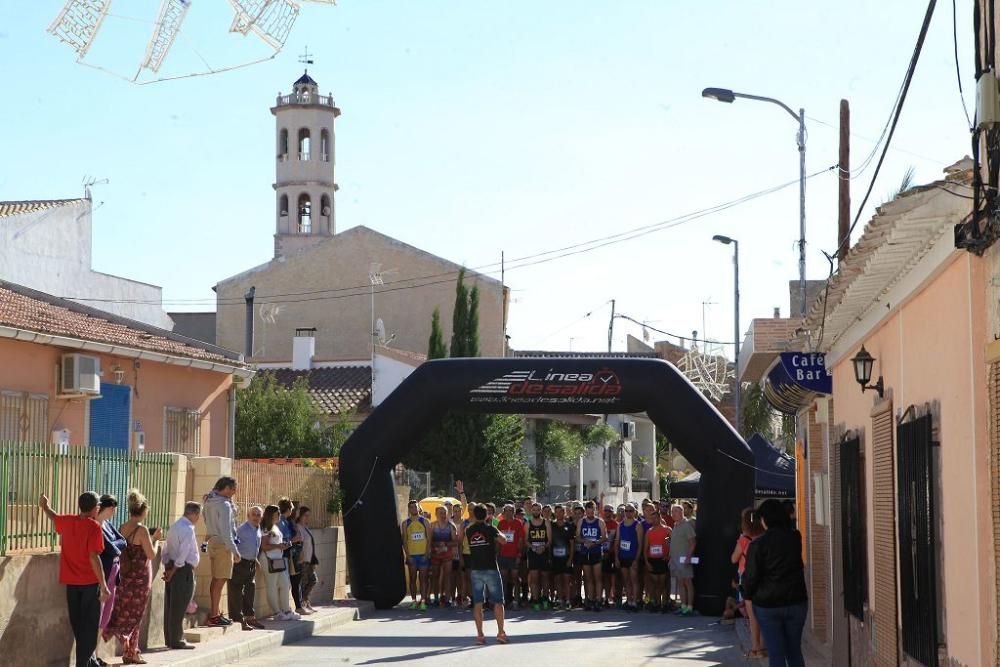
{"points": [[775, 582]]}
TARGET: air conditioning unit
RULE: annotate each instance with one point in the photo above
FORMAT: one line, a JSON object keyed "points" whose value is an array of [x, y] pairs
{"points": [[80, 374], [628, 430]]}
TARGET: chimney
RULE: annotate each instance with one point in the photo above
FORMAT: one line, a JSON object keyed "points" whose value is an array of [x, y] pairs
{"points": [[777, 313], [303, 348]]}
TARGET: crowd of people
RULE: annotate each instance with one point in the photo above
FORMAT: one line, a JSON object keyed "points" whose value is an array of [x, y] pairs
{"points": [[586, 555], [108, 575]]}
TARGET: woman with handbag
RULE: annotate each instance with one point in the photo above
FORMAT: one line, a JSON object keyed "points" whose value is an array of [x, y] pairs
{"points": [[134, 588], [274, 546], [307, 561]]}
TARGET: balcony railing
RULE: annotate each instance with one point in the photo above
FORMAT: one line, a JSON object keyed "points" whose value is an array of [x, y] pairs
{"points": [[642, 486], [324, 100]]}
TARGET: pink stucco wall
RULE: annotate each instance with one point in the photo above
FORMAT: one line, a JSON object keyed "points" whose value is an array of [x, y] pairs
{"points": [[932, 348], [32, 367]]}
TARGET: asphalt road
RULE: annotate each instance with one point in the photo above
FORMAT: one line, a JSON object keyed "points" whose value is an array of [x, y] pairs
{"points": [[446, 637]]}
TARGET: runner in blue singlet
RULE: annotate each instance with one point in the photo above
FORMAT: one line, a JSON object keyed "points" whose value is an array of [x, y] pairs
{"points": [[591, 534]]}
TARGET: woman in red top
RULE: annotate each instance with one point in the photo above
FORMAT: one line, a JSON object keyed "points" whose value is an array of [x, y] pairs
{"points": [[751, 528], [509, 559], [657, 555]]}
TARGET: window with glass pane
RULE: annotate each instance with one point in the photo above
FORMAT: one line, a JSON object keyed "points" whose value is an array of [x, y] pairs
{"points": [[182, 431]]}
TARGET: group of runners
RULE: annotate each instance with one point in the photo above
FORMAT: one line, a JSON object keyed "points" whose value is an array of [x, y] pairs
{"points": [[557, 556]]}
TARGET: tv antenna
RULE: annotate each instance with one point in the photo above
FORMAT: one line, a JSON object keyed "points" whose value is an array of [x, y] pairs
{"points": [[91, 181], [306, 58]]}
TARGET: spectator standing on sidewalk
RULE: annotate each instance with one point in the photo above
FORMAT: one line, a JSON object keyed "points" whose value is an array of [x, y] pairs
{"points": [[220, 527], [114, 545], [180, 557], [486, 583], [274, 547], [293, 555], [307, 560], [81, 572], [774, 581], [242, 588], [134, 588]]}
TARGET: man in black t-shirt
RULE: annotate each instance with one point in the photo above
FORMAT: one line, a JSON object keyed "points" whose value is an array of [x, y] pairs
{"points": [[486, 581]]}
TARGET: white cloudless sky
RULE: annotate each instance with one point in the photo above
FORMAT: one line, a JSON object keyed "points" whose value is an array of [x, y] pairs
{"points": [[473, 128]]}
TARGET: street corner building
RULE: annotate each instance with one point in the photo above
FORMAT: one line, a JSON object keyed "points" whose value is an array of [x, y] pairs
{"points": [[74, 375]]}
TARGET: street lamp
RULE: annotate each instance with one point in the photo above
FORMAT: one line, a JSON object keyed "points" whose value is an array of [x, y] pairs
{"points": [[728, 96], [736, 319], [863, 363]]}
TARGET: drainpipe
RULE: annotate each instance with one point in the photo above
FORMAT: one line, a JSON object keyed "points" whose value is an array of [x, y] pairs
{"points": [[248, 343]]}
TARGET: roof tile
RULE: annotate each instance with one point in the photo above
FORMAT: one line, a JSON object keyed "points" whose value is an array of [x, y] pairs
{"points": [[335, 390], [9, 208]]}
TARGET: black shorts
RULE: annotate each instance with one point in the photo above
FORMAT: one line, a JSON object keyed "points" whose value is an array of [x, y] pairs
{"points": [[657, 566], [538, 561], [560, 565], [467, 561], [625, 563], [608, 565], [589, 558], [456, 565]]}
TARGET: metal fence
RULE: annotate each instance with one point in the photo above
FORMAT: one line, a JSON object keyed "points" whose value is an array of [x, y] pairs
{"points": [[28, 470], [264, 483]]}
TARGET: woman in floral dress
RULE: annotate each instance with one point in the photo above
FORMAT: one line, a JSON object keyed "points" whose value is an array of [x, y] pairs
{"points": [[134, 587]]}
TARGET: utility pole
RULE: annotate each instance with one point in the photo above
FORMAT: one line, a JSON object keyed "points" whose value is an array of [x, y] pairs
{"points": [[611, 325], [802, 213], [844, 182]]}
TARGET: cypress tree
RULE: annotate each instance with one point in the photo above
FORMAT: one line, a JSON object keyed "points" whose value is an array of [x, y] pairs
{"points": [[460, 319], [435, 346], [472, 328]]}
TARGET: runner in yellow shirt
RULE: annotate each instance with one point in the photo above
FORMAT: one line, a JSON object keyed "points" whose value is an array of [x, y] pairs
{"points": [[415, 531]]}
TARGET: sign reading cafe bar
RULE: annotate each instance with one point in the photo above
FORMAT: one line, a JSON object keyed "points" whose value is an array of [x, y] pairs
{"points": [[795, 379]]}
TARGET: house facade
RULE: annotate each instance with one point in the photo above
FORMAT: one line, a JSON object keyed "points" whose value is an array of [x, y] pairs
{"points": [[47, 245], [898, 490], [74, 375]]}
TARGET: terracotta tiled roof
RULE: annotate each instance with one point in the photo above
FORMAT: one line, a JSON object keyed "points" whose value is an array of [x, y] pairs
{"points": [[335, 390], [23, 308], [556, 354], [8, 208]]}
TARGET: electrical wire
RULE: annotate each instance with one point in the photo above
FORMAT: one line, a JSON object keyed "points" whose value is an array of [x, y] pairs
{"points": [[958, 69], [672, 335], [576, 321], [359, 501], [753, 467], [519, 263], [895, 118]]}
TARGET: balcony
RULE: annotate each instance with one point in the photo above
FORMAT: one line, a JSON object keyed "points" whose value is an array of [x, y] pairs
{"points": [[642, 486], [321, 100]]}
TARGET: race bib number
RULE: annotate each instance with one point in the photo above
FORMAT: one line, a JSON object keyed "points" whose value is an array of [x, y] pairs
{"points": [[509, 534], [559, 552], [440, 547], [626, 545], [656, 550], [417, 536]]}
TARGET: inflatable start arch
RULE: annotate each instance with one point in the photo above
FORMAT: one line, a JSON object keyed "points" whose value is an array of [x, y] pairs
{"points": [[535, 386]]}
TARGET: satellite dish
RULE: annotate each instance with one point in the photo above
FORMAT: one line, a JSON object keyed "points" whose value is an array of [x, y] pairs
{"points": [[383, 340]]}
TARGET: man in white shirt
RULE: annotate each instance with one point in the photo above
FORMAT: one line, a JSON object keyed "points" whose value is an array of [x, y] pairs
{"points": [[180, 557]]}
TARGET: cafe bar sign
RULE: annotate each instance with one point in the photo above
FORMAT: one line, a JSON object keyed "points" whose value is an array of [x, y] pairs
{"points": [[808, 370]]}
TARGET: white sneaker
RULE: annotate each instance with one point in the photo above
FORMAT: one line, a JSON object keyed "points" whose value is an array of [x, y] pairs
{"points": [[291, 616]]}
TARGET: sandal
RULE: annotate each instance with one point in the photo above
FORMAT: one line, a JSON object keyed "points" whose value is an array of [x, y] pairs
{"points": [[756, 654], [502, 638], [481, 641]]}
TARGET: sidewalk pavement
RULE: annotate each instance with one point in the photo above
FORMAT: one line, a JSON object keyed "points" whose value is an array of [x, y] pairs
{"points": [[814, 653], [219, 646]]}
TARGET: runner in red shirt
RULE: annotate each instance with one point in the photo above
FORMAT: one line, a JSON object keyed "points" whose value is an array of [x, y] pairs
{"points": [[509, 558], [657, 556], [81, 572]]}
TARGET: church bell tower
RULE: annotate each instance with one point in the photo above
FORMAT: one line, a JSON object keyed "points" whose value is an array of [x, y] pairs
{"points": [[304, 182]]}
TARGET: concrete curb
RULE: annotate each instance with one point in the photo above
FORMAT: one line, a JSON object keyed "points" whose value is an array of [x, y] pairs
{"points": [[244, 645]]}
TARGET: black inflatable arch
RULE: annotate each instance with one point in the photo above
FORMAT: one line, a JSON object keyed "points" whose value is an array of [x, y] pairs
{"points": [[534, 386]]}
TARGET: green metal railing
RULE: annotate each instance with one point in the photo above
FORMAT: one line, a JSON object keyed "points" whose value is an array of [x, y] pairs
{"points": [[28, 470]]}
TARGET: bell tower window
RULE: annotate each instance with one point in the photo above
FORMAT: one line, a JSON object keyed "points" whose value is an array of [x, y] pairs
{"points": [[305, 214], [304, 144], [283, 145], [324, 146], [283, 206]]}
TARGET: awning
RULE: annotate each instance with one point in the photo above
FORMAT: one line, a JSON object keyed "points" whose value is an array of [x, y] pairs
{"points": [[774, 478], [795, 379]]}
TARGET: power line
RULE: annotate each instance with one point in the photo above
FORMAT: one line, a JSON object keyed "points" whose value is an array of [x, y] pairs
{"points": [[895, 118], [958, 69], [672, 335], [519, 263]]}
